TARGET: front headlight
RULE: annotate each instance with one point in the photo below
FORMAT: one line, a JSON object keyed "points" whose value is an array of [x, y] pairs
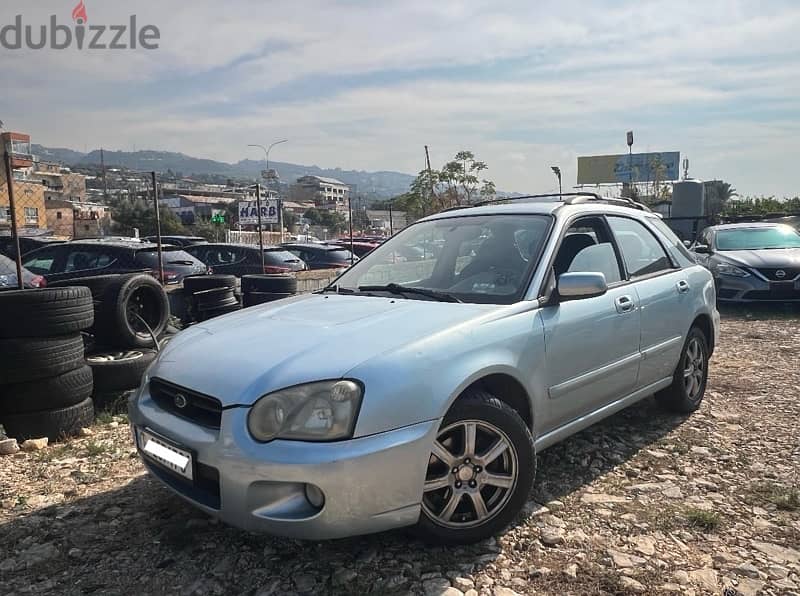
{"points": [[732, 270], [323, 411]]}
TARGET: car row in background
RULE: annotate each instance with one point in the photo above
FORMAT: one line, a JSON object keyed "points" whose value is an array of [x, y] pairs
{"points": [[26, 244], [245, 259], [752, 261], [321, 256], [8, 276], [83, 258]]}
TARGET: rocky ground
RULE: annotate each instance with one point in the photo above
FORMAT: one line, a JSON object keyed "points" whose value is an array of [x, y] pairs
{"points": [[644, 502]]}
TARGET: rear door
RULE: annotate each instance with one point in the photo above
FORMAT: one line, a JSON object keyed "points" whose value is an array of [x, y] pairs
{"points": [[79, 260], [664, 294]]}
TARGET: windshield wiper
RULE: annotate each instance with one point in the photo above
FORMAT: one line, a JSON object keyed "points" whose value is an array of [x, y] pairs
{"points": [[398, 289], [337, 289]]}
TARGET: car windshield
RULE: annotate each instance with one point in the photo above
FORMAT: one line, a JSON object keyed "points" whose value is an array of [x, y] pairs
{"points": [[482, 259], [278, 256], [758, 238]]}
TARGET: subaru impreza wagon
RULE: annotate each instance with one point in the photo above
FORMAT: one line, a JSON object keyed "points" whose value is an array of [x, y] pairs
{"points": [[417, 393]]}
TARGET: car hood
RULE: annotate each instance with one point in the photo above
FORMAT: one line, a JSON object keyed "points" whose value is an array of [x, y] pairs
{"points": [[240, 357], [766, 258]]}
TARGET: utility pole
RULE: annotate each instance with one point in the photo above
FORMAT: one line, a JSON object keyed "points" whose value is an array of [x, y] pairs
{"points": [[158, 229], [260, 233], [350, 218], [103, 171], [557, 172], [430, 175], [391, 225], [13, 208], [629, 139]]}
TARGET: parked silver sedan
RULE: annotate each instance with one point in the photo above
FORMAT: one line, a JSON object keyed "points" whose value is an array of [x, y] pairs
{"points": [[417, 393]]}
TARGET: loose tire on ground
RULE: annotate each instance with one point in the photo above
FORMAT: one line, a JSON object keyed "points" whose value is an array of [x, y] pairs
{"points": [[496, 425], [684, 396], [119, 370], [61, 391], [32, 358], [53, 423], [196, 283], [274, 284], [218, 312], [45, 313], [117, 323], [97, 284]]}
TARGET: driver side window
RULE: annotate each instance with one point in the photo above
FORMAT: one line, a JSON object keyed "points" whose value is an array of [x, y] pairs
{"points": [[587, 248]]}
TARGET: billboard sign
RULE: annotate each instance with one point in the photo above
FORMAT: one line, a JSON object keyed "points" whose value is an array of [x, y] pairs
{"points": [[637, 167], [248, 212]]}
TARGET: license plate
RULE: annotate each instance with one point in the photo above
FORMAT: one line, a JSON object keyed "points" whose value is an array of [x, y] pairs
{"points": [[165, 453]]}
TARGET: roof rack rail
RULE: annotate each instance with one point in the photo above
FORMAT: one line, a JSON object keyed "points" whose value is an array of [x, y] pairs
{"points": [[553, 196], [621, 201]]}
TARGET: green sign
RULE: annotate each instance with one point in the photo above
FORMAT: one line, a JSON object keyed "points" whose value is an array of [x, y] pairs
{"points": [[219, 218]]}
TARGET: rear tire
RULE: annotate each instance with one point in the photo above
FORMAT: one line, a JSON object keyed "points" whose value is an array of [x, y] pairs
{"points": [[46, 312], [29, 359], [475, 487], [689, 380], [53, 424]]}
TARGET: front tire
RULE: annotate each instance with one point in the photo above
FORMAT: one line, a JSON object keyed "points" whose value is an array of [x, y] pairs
{"points": [[689, 380], [479, 473]]}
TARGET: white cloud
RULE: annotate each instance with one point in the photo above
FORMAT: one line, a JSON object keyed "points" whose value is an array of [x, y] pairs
{"points": [[364, 85]]}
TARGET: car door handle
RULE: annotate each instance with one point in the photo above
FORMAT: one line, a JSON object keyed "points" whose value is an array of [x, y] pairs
{"points": [[624, 304], [683, 286]]}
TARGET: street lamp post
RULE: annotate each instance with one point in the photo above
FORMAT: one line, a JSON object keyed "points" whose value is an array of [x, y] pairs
{"points": [[266, 160], [557, 172]]}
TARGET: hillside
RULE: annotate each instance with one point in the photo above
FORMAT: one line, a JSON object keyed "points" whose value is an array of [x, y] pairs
{"points": [[376, 184]]}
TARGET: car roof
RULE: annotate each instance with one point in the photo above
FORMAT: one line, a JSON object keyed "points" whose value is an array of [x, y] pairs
{"points": [[115, 243], [236, 245], [312, 246], [549, 207], [749, 224]]}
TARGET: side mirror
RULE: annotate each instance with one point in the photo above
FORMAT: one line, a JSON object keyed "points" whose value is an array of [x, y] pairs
{"points": [[574, 286], [702, 249]]}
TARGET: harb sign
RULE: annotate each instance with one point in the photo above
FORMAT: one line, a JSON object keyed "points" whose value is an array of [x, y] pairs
{"points": [[248, 212]]}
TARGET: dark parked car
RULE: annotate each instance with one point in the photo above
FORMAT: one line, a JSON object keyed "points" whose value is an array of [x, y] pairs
{"points": [[8, 276], [752, 261], [178, 240], [26, 244], [359, 248], [83, 258], [243, 259], [320, 256]]}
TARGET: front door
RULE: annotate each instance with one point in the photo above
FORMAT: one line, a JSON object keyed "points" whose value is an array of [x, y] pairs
{"points": [[592, 344]]}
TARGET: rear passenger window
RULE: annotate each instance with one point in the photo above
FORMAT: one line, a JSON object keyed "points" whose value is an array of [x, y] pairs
{"points": [[641, 251]]}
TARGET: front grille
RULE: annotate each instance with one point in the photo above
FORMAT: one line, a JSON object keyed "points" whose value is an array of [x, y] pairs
{"points": [[789, 273], [774, 293], [198, 408]]}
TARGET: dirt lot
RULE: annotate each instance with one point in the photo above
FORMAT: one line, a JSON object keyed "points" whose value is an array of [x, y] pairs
{"points": [[644, 502]]}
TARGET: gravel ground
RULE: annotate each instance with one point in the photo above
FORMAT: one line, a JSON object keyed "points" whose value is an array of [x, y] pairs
{"points": [[644, 502]]}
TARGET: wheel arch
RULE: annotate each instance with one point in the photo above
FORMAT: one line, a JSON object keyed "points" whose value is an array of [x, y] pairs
{"points": [[506, 387], [705, 324]]}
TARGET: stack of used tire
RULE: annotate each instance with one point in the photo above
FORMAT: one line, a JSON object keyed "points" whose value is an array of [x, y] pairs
{"points": [[45, 385], [130, 312], [210, 296], [258, 289]]}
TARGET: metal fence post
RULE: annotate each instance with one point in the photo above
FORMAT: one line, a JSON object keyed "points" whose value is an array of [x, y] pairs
{"points": [[260, 230], [13, 208], [158, 229]]}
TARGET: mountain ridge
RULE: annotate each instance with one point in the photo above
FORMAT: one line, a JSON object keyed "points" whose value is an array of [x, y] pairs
{"points": [[379, 184]]}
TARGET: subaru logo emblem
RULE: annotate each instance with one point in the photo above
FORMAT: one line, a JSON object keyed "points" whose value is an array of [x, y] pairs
{"points": [[180, 401], [780, 274]]}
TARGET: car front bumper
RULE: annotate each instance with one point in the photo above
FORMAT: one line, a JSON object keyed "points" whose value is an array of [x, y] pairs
{"points": [[754, 289], [370, 484]]}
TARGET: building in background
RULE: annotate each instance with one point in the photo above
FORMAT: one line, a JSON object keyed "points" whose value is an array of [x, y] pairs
{"points": [[28, 194], [325, 193], [76, 220]]}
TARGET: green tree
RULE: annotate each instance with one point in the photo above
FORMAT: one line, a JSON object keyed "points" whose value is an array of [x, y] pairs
{"points": [[717, 195], [128, 214]]}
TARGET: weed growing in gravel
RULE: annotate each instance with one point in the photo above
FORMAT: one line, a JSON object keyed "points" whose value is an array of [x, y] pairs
{"points": [[705, 520], [104, 417], [784, 498], [93, 448], [52, 452]]}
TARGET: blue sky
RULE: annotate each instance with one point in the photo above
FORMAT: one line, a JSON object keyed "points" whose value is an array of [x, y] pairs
{"points": [[365, 84]]}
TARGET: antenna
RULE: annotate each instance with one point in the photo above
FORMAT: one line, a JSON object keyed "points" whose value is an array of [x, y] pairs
{"points": [[685, 168]]}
